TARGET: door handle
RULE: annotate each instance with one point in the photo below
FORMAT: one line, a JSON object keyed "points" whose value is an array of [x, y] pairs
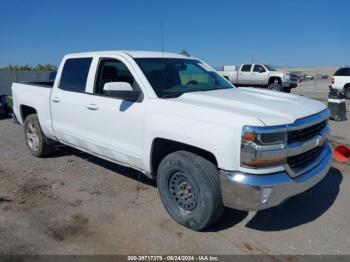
{"points": [[56, 100], [92, 107]]}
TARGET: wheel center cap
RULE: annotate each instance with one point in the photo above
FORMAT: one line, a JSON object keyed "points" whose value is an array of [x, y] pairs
{"points": [[184, 189]]}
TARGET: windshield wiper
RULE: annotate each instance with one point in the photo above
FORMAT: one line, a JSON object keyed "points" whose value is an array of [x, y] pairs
{"points": [[178, 94], [172, 95]]}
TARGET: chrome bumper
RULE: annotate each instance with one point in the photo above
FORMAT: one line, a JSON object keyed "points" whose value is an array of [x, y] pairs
{"points": [[245, 191], [289, 83]]}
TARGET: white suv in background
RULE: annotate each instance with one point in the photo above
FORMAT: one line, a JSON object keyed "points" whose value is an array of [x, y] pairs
{"points": [[341, 80]]}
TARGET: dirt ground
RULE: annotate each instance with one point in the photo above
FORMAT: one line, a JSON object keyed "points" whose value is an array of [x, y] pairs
{"points": [[74, 203]]}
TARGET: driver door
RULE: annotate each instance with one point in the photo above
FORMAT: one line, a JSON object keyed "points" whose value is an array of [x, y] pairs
{"points": [[259, 75], [115, 125]]}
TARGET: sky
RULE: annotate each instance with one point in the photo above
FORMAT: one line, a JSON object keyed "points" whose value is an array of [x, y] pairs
{"points": [[279, 32]]}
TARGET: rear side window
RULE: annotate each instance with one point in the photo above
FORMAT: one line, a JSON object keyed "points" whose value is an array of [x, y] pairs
{"points": [[74, 74], [246, 68], [343, 72]]}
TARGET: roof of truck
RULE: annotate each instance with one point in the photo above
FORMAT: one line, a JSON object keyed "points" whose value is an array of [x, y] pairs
{"points": [[134, 54]]}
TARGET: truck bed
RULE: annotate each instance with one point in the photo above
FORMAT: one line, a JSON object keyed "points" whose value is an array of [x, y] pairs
{"points": [[47, 84], [35, 95]]}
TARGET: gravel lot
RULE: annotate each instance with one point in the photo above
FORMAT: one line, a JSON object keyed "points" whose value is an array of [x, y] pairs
{"points": [[74, 203]]}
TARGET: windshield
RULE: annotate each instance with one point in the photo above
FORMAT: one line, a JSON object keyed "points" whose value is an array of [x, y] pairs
{"points": [[171, 77], [270, 68]]}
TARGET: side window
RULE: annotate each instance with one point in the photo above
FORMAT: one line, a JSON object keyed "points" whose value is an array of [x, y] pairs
{"points": [[259, 68], [112, 70], [246, 68], [343, 72], [74, 74]]}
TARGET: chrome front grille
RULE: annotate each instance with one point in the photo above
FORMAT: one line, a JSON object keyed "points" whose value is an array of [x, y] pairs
{"points": [[306, 133], [299, 162], [307, 141], [293, 78]]}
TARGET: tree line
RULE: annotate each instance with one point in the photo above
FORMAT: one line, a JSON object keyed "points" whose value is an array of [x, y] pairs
{"points": [[39, 67]]}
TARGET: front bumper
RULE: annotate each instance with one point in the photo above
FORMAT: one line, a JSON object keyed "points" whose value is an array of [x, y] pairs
{"points": [[291, 84], [245, 191]]}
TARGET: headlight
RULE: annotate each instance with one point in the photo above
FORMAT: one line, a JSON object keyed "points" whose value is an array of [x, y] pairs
{"points": [[286, 76], [263, 147]]}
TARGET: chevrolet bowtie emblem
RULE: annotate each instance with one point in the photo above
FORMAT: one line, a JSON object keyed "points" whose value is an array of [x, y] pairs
{"points": [[319, 140]]}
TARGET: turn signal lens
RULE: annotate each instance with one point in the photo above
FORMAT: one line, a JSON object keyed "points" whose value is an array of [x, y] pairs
{"points": [[266, 163], [249, 137]]}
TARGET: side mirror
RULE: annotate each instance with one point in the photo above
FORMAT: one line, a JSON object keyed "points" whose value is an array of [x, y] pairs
{"points": [[122, 90], [262, 70]]}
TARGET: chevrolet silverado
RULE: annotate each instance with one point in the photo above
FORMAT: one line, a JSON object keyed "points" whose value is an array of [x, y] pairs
{"points": [[175, 119], [260, 75]]}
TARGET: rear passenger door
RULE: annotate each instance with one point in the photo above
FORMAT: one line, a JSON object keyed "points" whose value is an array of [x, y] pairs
{"points": [[244, 74], [69, 100]]}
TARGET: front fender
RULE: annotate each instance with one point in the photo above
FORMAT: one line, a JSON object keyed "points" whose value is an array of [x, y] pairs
{"points": [[219, 140]]}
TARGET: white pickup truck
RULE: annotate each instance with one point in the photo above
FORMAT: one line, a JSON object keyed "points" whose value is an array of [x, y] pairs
{"points": [[260, 75], [175, 119], [341, 80]]}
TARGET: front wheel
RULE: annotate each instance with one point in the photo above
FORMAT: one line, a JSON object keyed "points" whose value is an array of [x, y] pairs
{"points": [[275, 87], [287, 89], [35, 139], [189, 188]]}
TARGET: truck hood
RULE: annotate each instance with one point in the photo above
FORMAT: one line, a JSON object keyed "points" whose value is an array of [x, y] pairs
{"points": [[277, 73], [269, 107]]}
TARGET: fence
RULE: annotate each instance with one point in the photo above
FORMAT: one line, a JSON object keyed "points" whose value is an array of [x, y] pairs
{"points": [[7, 77]]}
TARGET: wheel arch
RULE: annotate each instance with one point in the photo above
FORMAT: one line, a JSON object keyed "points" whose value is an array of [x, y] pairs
{"points": [[26, 111], [273, 78], [162, 147]]}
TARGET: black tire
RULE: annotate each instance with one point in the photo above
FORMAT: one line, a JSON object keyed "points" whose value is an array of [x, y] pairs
{"points": [[287, 89], [347, 92], [36, 141], [337, 118], [275, 87], [183, 174]]}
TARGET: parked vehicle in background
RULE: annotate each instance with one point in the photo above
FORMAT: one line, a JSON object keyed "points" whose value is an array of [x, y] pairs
{"points": [[309, 77], [300, 76], [175, 119], [259, 75], [341, 80], [5, 105], [321, 76]]}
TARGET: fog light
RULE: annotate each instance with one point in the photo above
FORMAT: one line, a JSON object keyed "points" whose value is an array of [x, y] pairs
{"points": [[266, 195]]}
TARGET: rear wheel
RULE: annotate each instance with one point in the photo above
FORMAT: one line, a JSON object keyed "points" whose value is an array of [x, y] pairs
{"points": [[36, 141], [189, 188]]}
